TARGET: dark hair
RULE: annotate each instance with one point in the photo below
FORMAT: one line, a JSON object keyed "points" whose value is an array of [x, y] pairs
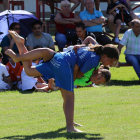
{"points": [[35, 23], [13, 25], [1, 55], [106, 74], [110, 50], [81, 25]]}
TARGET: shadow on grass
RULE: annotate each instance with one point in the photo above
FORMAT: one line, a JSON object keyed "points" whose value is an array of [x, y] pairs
{"points": [[56, 134], [122, 83]]}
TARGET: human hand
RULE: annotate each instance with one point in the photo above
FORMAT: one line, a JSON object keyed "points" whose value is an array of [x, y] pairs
{"points": [[76, 47]]}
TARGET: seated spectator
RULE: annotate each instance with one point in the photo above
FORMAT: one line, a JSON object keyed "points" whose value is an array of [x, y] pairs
{"points": [[5, 4], [111, 17], [131, 39], [8, 42], [39, 38], [64, 21], [5, 80], [76, 4], [81, 33], [13, 69], [93, 20], [120, 11]]}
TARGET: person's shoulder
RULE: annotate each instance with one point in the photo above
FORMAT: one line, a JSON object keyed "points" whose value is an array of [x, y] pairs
{"points": [[2, 65], [46, 34], [5, 38], [98, 12], [30, 35], [83, 12]]}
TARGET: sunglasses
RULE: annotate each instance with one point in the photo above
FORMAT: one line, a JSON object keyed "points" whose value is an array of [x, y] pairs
{"points": [[15, 28]]}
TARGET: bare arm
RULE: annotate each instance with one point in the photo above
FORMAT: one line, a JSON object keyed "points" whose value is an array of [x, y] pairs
{"points": [[76, 69], [9, 80], [94, 22], [60, 20], [120, 47], [76, 19], [79, 74]]}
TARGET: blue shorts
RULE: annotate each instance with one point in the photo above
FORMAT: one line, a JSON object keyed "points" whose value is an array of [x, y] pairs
{"points": [[60, 69]]}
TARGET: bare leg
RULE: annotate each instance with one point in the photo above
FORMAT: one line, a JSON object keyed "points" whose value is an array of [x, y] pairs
{"points": [[76, 4], [111, 23], [6, 4], [82, 4], [97, 2], [51, 3], [118, 27], [68, 108]]}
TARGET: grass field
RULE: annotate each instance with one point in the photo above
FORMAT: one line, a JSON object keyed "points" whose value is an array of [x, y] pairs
{"points": [[109, 112]]}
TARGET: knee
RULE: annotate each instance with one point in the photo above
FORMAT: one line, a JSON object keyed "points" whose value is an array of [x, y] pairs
{"points": [[110, 18]]}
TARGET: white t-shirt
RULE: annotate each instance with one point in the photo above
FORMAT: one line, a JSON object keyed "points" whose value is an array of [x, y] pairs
{"points": [[27, 81], [3, 71]]}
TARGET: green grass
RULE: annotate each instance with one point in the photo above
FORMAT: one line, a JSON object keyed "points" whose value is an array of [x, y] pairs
{"points": [[109, 112]]}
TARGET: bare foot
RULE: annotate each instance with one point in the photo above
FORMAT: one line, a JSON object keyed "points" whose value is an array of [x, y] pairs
{"points": [[10, 53], [74, 130], [76, 124], [17, 38]]}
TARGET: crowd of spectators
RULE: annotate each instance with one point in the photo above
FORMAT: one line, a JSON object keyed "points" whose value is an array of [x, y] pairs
{"points": [[72, 29]]}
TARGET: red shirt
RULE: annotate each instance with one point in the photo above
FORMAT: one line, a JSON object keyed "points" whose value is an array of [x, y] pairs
{"points": [[13, 70], [60, 27]]}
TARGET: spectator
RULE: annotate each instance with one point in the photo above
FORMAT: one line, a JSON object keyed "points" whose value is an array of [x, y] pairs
{"points": [[65, 20], [13, 69], [4, 73], [111, 17], [81, 34], [93, 20], [117, 8], [39, 38], [76, 4], [5, 4], [131, 39], [8, 43]]}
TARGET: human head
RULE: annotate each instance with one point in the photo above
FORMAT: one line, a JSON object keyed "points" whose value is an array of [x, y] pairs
{"points": [[65, 6], [15, 26], [89, 4], [109, 53], [100, 76], [80, 29], [135, 24], [37, 28]]}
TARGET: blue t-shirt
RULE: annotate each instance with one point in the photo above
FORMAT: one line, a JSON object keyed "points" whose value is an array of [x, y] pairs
{"points": [[85, 15], [85, 59]]}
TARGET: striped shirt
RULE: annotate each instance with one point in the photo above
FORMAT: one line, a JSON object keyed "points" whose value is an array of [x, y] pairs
{"points": [[131, 42]]}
